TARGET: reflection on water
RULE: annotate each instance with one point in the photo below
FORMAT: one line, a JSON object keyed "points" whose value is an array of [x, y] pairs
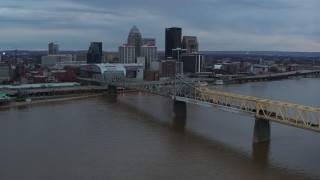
{"points": [[260, 158], [260, 153], [179, 115], [111, 98], [179, 123]]}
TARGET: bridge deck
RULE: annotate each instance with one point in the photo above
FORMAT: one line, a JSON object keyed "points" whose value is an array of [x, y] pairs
{"points": [[282, 112], [185, 89]]}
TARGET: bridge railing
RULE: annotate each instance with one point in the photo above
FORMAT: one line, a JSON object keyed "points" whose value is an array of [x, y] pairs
{"points": [[182, 86], [230, 100], [164, 87], [286, 113]]}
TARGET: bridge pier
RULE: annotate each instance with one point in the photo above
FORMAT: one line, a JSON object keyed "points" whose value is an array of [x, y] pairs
{"points": [[260, 154], [112, 90], [261, 131], [179, 115]]}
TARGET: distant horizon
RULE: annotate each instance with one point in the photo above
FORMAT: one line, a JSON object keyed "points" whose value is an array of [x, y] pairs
{"points": [[45, 50], [240, 53], [220, 25], [162, 50]]}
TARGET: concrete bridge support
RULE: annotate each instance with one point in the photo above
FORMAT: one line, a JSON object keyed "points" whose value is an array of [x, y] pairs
{"points": [[260, 154], [261, 130], [112, 90], [179, 115]]}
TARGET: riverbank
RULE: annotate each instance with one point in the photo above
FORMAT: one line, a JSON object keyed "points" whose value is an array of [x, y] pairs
{"points": [[50, 99]]}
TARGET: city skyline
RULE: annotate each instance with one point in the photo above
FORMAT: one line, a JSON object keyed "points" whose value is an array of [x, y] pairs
{"points": [[232, 25]]}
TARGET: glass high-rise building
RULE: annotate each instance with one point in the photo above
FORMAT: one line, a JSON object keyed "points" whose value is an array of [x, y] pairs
{"points": [[190, 43], [134, 39], [172, 40], [53, 48], [176, 53], [192, 63], [94, 55]]}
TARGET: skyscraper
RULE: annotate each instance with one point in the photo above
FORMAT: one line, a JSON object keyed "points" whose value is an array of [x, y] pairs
{"points": [[192, 63], [134, 39], [173, 40], [149, 41], [126, 54], [190, 43], [53, 48], [94, 54], [150, 53], [176, 53]]}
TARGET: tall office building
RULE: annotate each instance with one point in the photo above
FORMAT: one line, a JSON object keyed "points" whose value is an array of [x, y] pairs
{"points": [[176, 53], [150, 53], [126, 54], [134, 39], [190, 43], [5, 71], [173, 40], [150, 41], [53, 48], [94, 54], [192, 63]]}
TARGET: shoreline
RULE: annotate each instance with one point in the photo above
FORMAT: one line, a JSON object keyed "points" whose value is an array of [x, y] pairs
{"points": [[50, 99]]}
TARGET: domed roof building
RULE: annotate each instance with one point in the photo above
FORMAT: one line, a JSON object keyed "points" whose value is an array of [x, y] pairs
{"points": [[134, 30], [134, 39]]}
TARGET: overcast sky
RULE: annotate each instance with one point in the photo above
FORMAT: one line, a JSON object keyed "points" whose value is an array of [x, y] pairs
{"points": [[281, 25]]}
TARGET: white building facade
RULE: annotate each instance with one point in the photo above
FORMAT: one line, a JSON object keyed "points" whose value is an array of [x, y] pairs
{"points": [[150, 53], [126, 54]]}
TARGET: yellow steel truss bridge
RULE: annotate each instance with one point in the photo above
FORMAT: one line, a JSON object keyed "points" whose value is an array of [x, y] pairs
{"points": [[185, 89], [285, 113]]}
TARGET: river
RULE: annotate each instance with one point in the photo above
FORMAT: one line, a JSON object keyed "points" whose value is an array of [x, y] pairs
{"points": [[135, 136]]}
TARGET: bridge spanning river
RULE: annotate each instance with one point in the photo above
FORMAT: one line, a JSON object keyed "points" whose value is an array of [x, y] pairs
{"points": [[184, 89]]}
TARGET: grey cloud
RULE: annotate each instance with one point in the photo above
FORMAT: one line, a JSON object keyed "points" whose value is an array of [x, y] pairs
{"points": [[248, 22]]}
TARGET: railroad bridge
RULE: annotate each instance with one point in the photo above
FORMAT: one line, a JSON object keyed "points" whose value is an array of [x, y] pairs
{"points": [[185, 90]]}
